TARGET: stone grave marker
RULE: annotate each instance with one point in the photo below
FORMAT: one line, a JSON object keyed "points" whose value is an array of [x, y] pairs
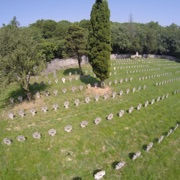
{"points": [[136, 155], [52, 132], [21, 138], [36, 135], [33, 111], [38, 95], [83, 124], [80, 87], [55, 92], [68, 128], [139, 106], [63, 80], [121, 93], [7, 141], [114, 94], [21, 113], [130, 110], [11, 115], [146, 103], [149, 146], [66, 104], [76, 102], [97, 120], [55, 107], [99, 175], [64, 90], [119, 165], [20, 98], [110, 116], [121, 113], [160, 139], [96, 98], [169, 132], [44, 109], [177, 125], [11, 100], [87, 100]]}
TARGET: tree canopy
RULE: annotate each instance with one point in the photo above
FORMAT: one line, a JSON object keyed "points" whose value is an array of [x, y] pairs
{"points": [[19, 55], [76, 43], [126, 37]]}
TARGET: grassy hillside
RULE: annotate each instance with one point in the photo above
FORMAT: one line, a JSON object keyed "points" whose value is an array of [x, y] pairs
{"points": [[81, 153]]}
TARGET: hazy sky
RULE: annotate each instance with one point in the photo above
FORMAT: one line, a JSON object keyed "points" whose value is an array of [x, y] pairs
{"points": [[165, 12]]}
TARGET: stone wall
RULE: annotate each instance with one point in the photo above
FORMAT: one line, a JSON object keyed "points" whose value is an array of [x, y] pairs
{"points": [[56, 64], [123, 56], [120, 56]]}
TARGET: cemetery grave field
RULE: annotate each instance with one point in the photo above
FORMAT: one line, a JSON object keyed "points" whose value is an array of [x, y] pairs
{"points": [[74, 130]]}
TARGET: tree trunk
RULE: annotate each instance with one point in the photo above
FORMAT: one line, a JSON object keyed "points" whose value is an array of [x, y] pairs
{"points": [[80, 68], [27, 90], [29, 96]]}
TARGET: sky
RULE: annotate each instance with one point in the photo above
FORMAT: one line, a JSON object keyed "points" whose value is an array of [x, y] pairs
{"points": [[165, 12]]}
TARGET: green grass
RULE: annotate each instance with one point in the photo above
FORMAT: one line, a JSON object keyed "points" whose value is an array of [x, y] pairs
{"points": [[80, 153]]}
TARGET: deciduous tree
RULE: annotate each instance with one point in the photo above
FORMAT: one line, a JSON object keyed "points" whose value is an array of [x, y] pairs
{"points": [[19, 57], [76, 43]]}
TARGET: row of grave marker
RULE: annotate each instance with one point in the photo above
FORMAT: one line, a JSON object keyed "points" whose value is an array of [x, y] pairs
{"points": [[97, 120], [143, 70], [100, 174], [87, 100], [167, 81], [153, 76]]}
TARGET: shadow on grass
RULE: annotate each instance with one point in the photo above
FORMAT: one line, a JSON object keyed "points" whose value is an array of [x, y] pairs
{"points": [[131, 154], [177, 60], [144, 147], [114, 164], [155, 140], [96, 171], [87, 79], [34, 88], [77, 178], [165, 133], [72, 70]]}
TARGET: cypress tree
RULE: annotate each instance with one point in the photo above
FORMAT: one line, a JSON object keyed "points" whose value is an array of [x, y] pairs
{"points": [[100, 40]]}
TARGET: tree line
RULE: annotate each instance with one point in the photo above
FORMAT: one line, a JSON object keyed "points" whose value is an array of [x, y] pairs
{"points": [[130, 37]]}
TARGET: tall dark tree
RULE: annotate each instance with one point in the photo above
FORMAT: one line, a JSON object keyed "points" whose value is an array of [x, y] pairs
{"points": [[100, 40], [76, 43]]}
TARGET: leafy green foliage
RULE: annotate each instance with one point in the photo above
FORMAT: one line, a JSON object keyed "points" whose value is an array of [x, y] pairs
{"points": [[76, 43], [19, 55], [48, 48], [100, 40], [145, 38], [47, 27], [120, 38], [62, 30]]}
